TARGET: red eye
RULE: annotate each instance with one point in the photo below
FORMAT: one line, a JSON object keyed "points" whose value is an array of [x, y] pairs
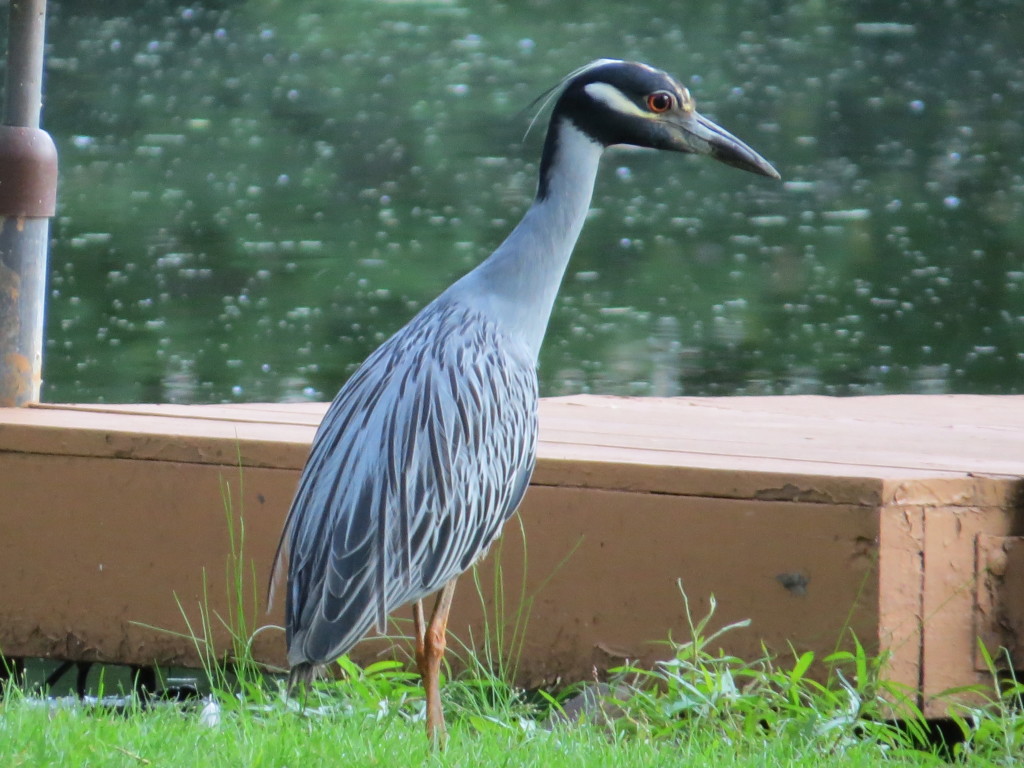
{"points": [[660, 101]]}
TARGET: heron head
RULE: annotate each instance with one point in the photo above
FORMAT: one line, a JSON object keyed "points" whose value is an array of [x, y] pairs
{"points": [[625, 102]]}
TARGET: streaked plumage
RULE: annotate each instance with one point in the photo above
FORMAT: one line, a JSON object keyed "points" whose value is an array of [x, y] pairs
{"points": [[417, 464], [429, 447]]}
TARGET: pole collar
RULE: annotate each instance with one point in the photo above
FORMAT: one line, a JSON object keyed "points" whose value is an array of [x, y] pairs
{"points": [[28, 173]]}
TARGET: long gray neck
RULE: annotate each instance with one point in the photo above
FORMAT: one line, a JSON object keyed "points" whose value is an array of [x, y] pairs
{"points": [[517, 284]]}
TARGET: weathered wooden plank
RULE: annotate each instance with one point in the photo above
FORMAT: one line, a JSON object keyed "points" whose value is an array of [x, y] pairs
{"points": [[604, 568], [108, 564], [880, 436], [102, 556], [950, 623]]}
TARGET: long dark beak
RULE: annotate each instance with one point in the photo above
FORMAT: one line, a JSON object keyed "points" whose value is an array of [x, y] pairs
{"points": [[700, 135]]}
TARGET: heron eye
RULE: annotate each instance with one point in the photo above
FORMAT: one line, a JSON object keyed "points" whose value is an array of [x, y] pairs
{"points": [[660, 101]]}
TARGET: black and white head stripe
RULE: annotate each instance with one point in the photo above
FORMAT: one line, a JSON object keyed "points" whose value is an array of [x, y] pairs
{"points": [[609, 81], [622, 85], [612, 97], [609, 101]]}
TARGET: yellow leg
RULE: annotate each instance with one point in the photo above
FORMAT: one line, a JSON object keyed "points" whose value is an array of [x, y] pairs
{"points": [[430, 646]]}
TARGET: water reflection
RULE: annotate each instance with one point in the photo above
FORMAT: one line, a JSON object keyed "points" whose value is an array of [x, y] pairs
{"points": [[255, 194]]}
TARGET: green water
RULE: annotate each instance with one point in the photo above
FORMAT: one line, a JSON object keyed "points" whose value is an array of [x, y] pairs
{"points": [[255, 194]]}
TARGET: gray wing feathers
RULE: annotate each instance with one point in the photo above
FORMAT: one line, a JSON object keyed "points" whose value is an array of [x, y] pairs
{"points": [[422, 456]]}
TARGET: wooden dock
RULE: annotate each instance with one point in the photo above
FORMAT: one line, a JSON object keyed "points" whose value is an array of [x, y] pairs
{"points": [[897, 518]]}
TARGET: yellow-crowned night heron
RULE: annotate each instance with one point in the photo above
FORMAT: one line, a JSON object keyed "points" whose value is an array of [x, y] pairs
{"points": [[429, 446]]}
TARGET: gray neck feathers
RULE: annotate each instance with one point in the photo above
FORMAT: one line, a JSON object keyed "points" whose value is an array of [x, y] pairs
{"points": [[517, 284]]}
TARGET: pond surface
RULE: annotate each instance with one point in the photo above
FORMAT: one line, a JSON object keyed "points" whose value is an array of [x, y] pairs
{"points": [[255, 194]]}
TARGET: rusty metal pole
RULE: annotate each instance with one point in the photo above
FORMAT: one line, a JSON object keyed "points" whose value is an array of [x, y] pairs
{"points": [[28, 196]]}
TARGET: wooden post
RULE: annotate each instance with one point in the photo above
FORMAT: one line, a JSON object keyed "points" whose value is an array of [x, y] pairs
{"points": [[28, 193]]}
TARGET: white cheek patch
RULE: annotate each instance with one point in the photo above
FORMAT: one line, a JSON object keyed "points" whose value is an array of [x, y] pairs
{"points": [[614, 98]]}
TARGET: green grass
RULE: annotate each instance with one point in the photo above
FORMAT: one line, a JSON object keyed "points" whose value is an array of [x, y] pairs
{"points": [[32, 736], [698, 708]]}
